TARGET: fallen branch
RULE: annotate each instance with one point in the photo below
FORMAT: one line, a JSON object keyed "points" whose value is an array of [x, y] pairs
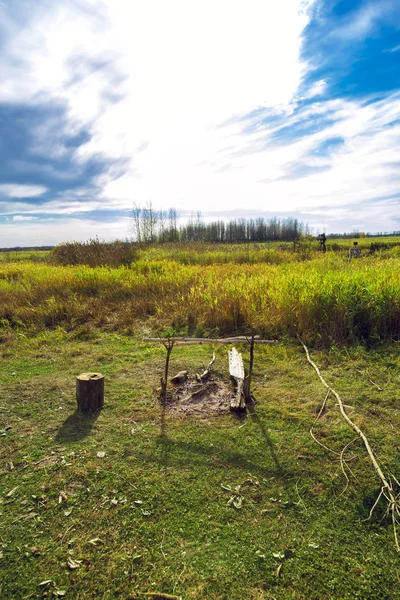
{"points": [[343, 464], [207, 373], [159, 596], [343, 461], [387, 490], [321, 410]]}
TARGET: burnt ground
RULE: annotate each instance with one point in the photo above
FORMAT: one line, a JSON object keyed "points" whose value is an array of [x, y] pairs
{"points": [[211, 398]]}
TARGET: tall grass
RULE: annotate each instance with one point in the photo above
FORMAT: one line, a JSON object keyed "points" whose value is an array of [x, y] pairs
{"points": [[324, 300], [16, 256]]}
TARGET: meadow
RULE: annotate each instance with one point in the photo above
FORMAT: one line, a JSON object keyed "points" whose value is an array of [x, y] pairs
{"points": [[139, 501], [214, 290]]}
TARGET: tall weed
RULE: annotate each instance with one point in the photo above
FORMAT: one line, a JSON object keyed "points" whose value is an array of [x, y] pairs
{"points": [[324, 300]]}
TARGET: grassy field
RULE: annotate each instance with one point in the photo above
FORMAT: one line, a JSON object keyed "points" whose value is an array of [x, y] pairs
{"points": [[324, 298], [153, 514], [16, 256], [141, 500]]}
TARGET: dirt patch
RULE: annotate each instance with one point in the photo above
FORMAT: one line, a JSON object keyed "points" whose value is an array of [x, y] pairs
{"points": [[207, 399]]}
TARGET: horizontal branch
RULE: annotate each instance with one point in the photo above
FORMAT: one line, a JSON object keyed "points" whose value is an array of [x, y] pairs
{"points": [[181, 341]]}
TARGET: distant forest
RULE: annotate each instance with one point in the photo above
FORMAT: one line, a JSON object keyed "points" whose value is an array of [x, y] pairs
{"points": [[149, 225]]}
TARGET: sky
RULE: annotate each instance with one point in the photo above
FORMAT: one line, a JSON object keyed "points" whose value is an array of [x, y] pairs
{"points": [[233, 108]]}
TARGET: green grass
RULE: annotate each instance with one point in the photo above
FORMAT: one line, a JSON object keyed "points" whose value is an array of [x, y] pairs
{"points": [[15, 256], [153, 514]]}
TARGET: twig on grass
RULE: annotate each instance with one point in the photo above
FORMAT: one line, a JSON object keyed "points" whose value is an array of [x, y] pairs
{"points": [[123, 478], [161, 545], [339, 454], [321, 410], [159, 595], [370, 380], [387, 490], [301, 501], [343, 464]]}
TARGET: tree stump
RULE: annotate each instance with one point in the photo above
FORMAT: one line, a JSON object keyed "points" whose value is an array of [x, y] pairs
{"points": [[90, 392], [236, 370]]}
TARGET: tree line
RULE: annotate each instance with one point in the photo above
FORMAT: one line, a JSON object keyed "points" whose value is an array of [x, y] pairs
{"points": [[149, 225]]}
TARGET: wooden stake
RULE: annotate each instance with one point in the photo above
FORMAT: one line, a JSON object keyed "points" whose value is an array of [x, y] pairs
{"points": [[168, 345], [247, 383]]}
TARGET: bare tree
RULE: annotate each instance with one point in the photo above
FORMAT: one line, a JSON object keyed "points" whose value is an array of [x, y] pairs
{"points": [[162, 225], [144, 222], [149, 222], [135, 224], [173, 225]]}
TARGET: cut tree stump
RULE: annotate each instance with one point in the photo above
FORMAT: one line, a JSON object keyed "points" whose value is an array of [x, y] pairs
{"points": [[236, 370], [90, 392]]}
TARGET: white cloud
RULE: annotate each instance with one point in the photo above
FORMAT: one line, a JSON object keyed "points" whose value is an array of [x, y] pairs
{"points": [[181, 68], [53, 231], [52, 207], [12, 190], [363, 21], [394, 49], [187, 66], [23, 218], [317, 89]]}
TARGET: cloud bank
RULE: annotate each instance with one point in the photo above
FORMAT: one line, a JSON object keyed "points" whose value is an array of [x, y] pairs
{"points": [[273, 108]]}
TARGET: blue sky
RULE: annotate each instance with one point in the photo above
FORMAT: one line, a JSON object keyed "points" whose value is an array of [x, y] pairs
{"points": [[231, 108]]}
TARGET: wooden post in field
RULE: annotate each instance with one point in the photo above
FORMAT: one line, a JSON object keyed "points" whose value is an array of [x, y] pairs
{"points": [[168, 344], [247, 382], [90, 392]]}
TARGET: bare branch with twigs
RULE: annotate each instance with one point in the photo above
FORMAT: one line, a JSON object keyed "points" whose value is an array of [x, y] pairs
{"points": [[387, 490]]}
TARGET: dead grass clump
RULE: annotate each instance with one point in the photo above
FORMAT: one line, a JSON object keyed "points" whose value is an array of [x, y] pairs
{"points": [[94, 253]]}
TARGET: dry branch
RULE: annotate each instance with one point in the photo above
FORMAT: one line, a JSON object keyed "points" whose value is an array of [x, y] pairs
{"points": [[207, 373], [387, 490], [182, 341], [168, 344]]}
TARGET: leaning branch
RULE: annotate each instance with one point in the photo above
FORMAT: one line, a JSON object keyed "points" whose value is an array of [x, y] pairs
{"points": [[387, 488]]}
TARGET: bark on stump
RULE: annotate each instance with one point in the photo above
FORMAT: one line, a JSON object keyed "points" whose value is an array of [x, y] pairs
{"points": [[90, 392]]}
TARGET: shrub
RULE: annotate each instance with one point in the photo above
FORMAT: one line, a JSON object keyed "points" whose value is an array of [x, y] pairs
{"points": [[94, 253]]}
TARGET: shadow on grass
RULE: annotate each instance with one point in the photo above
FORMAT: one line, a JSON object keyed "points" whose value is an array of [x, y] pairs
{"points": [[163, 439], [176, 453], [76, 427], [256, 419]]}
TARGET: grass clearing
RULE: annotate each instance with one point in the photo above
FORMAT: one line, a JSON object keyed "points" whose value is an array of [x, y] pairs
{"points": [[140, 498], [155, 513]]}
